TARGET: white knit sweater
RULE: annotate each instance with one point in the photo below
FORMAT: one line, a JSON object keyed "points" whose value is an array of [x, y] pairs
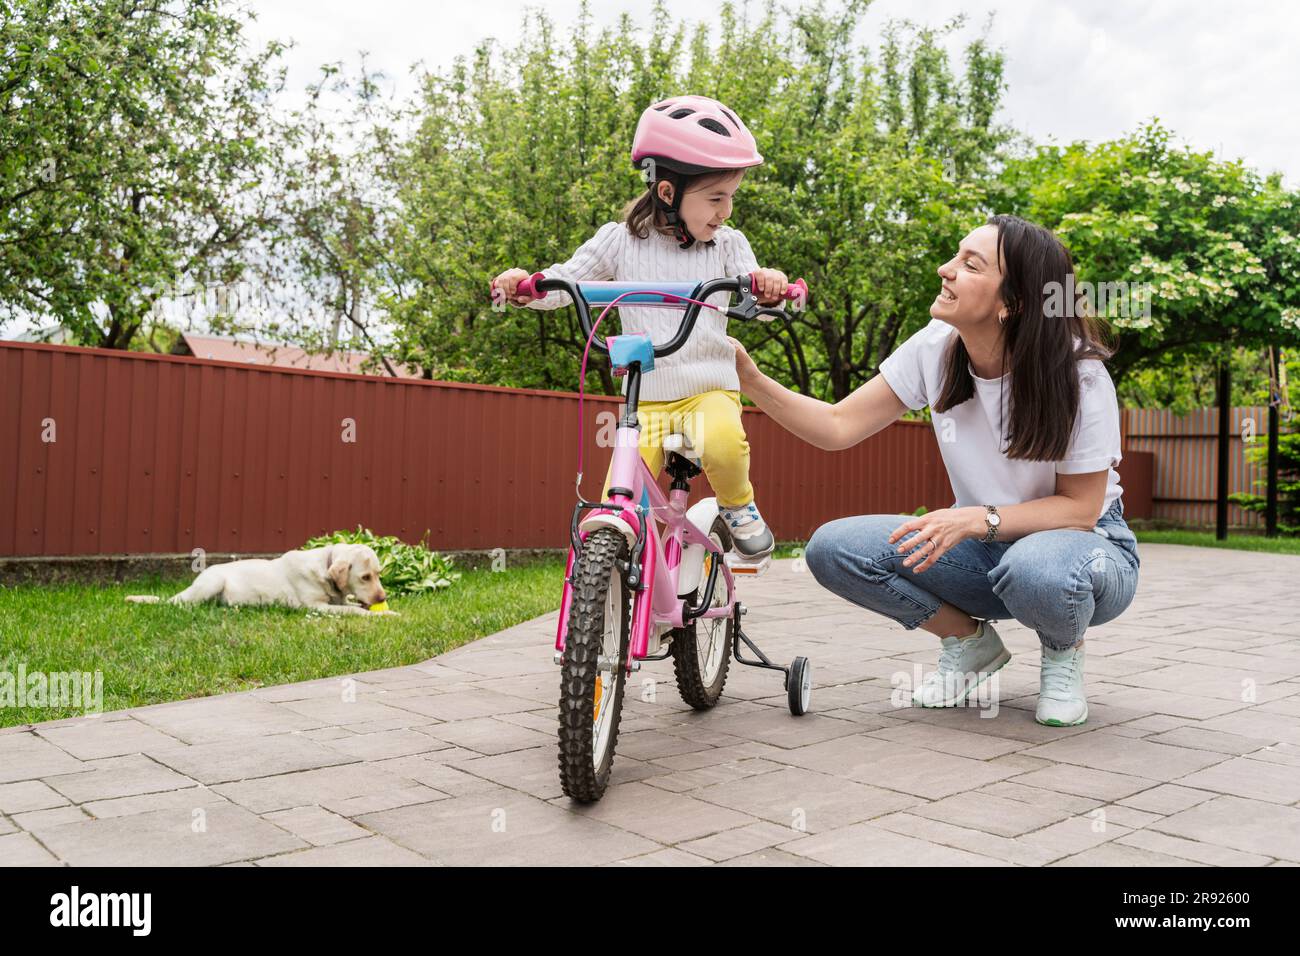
{"points": [[707, 361]]}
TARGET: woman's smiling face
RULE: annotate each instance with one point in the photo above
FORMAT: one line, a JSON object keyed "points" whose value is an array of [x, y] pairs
{"points": [[971, 282]]}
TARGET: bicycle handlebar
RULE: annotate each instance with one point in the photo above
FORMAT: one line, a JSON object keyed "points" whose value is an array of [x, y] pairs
{"points": [[642, 293], [537, 286]]}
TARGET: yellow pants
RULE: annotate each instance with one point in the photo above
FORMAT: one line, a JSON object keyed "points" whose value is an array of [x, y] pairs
{"points": [[711, 421]]}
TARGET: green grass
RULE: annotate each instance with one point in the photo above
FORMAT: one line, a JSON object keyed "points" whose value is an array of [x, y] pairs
{"points": [[788, 549], [154, 653], [150, 653], [1206, 539]]}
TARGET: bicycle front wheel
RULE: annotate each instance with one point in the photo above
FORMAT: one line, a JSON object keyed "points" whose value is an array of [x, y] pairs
{"points": [[594, 666]]}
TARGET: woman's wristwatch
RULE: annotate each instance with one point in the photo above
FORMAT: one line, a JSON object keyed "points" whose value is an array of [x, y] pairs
{"points": [[991, 519]]}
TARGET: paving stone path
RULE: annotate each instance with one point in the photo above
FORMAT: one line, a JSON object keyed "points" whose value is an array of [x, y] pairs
{"points": [[1191, 755]]}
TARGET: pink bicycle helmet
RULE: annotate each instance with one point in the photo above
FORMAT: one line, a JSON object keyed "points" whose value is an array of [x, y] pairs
{"points": [[692, 135], [687, 136]]}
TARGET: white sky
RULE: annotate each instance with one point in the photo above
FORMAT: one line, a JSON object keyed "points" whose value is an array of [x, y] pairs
{"points": [[1222, 76]]}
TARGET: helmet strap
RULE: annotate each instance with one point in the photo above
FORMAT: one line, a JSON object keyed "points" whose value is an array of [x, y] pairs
{"points": [[683, 235]]}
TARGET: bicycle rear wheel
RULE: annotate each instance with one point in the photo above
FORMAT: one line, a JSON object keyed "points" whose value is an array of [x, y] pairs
{"points": [[702, 649], [594, 666]]}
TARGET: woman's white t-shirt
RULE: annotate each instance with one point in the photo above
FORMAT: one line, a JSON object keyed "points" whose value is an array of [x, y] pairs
{"points": [[972, 438]]}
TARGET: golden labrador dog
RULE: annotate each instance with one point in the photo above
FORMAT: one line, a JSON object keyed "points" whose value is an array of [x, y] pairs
{"points": [[321, 579]]}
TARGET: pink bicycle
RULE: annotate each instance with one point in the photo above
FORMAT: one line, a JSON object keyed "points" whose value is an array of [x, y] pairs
{"points": [[632, 593]]}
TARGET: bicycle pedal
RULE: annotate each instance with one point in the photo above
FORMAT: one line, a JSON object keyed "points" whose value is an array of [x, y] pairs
{"points": [[740, 565]]}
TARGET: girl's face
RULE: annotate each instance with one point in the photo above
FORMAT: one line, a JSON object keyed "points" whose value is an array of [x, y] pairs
{"points": [[706, 204], [970, 291]]}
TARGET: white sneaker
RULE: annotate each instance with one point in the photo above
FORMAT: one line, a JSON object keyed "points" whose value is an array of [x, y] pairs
{"points": [[963, 666], [1060, 688], [750, 538]]}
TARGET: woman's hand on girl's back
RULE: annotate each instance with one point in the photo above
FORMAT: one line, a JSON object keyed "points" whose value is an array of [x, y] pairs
{"points": [[508, 282], [770, 285], [746, 370]]}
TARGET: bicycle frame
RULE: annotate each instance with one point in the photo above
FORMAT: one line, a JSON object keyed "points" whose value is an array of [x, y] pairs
{"points": [[645, 567], [657, 601], [636, 499]]}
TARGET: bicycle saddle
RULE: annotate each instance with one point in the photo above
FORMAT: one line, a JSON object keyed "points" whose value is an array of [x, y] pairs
{"points": [[681, 444]]}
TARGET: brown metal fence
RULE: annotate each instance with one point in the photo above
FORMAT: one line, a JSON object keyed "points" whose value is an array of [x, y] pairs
{"points": [[109, 452], [1185, 449]]}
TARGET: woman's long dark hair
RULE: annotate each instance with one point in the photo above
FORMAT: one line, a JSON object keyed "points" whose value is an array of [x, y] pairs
{"points": [[1038, 346]]}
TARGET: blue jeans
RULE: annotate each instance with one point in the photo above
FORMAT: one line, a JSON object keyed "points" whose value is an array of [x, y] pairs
{"points": [[1057, 582]]}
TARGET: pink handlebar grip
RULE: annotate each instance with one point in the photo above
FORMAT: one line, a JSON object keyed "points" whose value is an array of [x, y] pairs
{"points": [[526, 287], [796, 291]]}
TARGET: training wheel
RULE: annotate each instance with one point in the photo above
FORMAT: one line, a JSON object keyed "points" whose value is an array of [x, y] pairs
{"points": [[798, 685]]}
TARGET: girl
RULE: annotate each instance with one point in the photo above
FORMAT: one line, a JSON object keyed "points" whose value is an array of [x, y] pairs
{"points": [[694, 152], [1028, 423]]}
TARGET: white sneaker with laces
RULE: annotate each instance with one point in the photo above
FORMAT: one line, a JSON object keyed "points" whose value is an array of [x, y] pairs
{"points": [[1060, 688], [964, 664], [750, 537]]}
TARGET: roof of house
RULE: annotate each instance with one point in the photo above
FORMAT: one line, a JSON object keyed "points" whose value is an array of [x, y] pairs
{"points": [[54, 334], [286, 356]]}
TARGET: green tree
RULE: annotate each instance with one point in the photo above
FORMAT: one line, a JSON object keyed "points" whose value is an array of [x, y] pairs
{"points": [[132, 135], [1210, 244], [874, 165], [877, 167], [333, 199], [1288, 481], [517, 157], [1181, 382]]}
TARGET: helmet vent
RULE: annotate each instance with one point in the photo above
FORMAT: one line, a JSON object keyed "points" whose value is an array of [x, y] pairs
{"points": [[730, 117], [681, 113], [713, 126], [661, 107]]}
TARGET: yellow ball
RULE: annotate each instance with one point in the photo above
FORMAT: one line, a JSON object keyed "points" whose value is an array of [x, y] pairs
{"points": [[381, 606]]}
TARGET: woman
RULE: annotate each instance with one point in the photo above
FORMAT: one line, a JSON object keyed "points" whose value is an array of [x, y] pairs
{"points": [[1028, 425]]}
